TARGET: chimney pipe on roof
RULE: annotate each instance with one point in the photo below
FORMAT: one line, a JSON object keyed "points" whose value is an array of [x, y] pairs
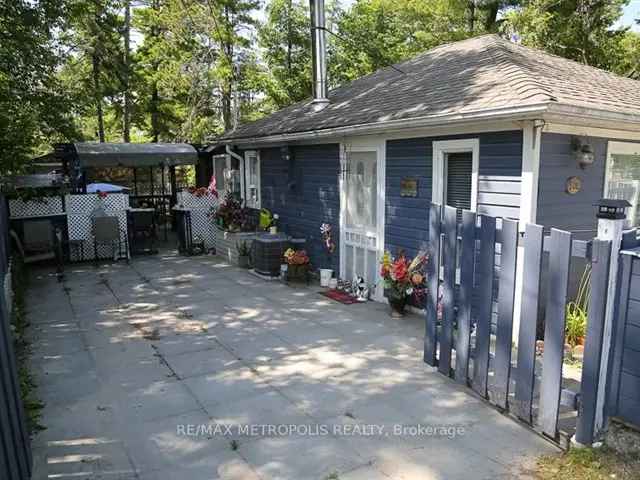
{"points": [[318, 44]]}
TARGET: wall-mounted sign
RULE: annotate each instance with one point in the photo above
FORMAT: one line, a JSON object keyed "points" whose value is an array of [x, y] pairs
{"points": [[573, 185], [409, 187]]}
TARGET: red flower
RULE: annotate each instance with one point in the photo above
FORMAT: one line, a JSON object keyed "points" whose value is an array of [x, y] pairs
{"points": [[400, 269]]}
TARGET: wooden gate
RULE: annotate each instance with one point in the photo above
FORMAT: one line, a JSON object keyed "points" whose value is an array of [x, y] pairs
{"points": [[473, 283]]}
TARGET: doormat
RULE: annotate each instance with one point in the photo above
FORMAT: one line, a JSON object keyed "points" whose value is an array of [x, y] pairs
{"points": [[339, 296]]}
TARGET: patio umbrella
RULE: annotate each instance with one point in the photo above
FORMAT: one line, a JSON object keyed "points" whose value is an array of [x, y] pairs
{"points": [[105, 187]]}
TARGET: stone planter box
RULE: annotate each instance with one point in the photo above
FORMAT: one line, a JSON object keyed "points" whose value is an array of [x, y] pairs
{"points": [[226, 243]]}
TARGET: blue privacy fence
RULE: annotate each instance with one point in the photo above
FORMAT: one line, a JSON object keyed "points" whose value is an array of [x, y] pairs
{"points": [[480, 269], [15, 445]]}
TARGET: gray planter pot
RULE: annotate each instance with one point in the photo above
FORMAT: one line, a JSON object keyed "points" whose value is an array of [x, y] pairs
{"points": [[243, 261]]}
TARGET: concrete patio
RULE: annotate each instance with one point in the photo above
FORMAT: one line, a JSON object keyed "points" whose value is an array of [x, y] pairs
{"points": [[157, 369]]}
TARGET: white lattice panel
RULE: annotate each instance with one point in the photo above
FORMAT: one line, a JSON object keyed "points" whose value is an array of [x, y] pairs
{"points": [[86, 203], [202, 228], [40, 206], [79, 224], [192, 202]]}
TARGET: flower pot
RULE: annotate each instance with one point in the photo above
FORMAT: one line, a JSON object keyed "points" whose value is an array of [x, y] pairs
{"points": [[333, 283], [397, 305], [325, 276], [297, 272], [243, 261]]}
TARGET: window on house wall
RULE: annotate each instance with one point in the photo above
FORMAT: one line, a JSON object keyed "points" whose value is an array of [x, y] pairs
{"points": [[251, 178], [226, 171], [623, 177]]}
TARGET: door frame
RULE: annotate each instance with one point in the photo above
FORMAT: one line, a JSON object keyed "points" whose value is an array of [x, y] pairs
{"points": [[364, 144], [440, 149]]}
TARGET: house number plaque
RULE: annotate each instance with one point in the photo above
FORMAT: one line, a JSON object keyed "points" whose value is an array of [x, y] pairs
{"points": [[409, 187], [573, 185]]}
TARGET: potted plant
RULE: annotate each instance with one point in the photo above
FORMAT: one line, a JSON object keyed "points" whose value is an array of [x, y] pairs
{"points": [[402, 278], [244, 253], [329, 247], [297, 264], [577, 312]]}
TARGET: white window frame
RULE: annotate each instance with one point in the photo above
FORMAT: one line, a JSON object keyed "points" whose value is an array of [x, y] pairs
{"points": [[620, 148], [244, 177], [440, 149], [227, 162]]}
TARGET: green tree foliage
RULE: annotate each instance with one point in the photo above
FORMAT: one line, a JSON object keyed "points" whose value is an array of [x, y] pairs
{"points": [[628, 64], [286, 43], [94, 71], [582, 30], [196, 66], [187, 70], [377, 33], [33, 104]]}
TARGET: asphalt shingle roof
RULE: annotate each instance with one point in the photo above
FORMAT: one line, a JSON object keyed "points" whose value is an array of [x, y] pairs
{"points": [[481, 73]]}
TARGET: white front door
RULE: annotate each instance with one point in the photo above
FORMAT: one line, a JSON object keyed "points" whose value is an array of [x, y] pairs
{"points": [[361, 212]]}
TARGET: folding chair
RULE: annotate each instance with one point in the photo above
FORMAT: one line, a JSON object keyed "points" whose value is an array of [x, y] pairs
{"points": [[106, 231]]}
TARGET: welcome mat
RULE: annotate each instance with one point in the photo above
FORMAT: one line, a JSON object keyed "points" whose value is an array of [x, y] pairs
{"points": [[339, 296]]}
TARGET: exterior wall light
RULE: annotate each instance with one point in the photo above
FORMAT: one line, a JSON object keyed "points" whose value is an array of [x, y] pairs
{"points": [[612, 209], [583, 153]]}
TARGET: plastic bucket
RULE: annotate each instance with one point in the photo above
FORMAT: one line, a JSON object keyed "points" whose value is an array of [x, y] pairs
{"points": [[325, 276]]}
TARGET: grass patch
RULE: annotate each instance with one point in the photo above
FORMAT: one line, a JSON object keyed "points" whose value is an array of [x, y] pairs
{"points": [[589, 464], [32, 404]]}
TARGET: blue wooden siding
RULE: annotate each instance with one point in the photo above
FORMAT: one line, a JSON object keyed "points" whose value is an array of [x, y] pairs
{"points": [[559, 209], [499, 172], [314, 199]]}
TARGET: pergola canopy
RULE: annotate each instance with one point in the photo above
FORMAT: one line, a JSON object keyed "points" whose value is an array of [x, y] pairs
{"points": [[97, 155]]}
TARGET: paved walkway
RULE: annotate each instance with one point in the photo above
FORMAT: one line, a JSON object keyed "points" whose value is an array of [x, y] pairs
{"points": [[175, 368]]}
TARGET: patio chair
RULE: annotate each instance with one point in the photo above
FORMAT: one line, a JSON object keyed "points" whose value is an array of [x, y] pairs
{"points": [[142, 231], [41, 241], [106, 232]]}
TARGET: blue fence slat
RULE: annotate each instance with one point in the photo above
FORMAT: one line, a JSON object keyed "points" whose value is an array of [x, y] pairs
{"points": [[555, 320], [601, 255], [485, 303], [504, 327], [433, 269], [8, 425], [619, 331], [449, 252], [525, 371], [467, 262]]}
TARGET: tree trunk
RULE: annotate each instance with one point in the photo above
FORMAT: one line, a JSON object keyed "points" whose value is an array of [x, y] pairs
{"points": [[472, 16], [226, 88], [155, 115], [154, 108], [289, 39], [491, 20], [126, 110], [95, 66]]}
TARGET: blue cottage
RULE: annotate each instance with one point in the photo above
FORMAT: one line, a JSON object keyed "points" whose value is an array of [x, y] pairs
{"points": [[482, 124]]}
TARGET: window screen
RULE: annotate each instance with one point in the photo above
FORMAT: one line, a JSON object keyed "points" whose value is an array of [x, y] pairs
{"points": [[623, 182], [459, 168]]}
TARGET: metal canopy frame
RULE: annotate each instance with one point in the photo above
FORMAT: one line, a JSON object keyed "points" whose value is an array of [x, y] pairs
{"points": [[82, 157]]}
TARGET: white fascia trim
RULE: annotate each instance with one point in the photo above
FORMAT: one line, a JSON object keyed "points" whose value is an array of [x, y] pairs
{"points": [[591, 131], [518, 113], [592, 116]]}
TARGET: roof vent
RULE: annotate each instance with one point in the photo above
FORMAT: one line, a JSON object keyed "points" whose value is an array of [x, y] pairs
{"points": [[318, 44]]}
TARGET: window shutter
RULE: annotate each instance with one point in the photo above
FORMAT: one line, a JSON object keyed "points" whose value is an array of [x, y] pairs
{"points": [[459, 174]]}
